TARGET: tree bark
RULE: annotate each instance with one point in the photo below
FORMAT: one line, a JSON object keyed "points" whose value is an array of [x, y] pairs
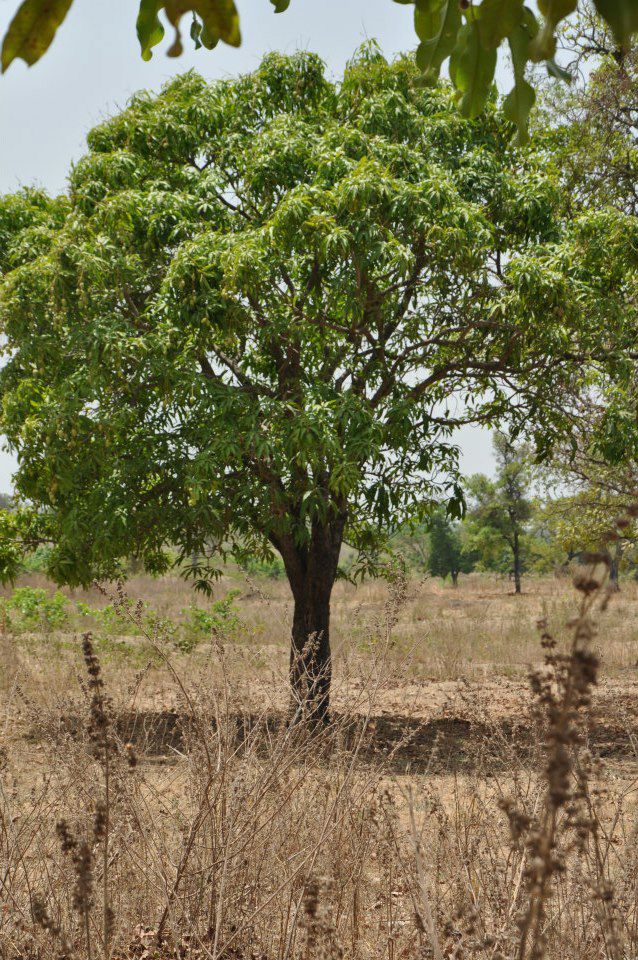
{"points": [[310, 655], [516, 550], [614, 567], [311, 572], [455, 578]]}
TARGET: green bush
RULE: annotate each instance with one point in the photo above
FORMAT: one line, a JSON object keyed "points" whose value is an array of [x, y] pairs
{"points": [[273, 569], [113, 623], [221, 617], [37, 609], [37, 562], [105, 617]]}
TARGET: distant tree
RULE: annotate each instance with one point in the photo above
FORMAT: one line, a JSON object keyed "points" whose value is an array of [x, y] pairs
{"points": [[241, 328], [447, 557], [500, 509], [592, 480], [412, 544], [585, 520], [592, 477]]}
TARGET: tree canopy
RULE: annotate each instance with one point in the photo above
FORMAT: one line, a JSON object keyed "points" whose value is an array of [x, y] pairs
{"points": [[467, 35], [265, 304]]}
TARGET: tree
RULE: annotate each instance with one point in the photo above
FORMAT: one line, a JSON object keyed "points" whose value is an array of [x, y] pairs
{"points": [[245, 325], [411, 544], [593, 122], [447, 557], [585, 521], [467, 35], [592, 479], [501, 508], [593, 472]]}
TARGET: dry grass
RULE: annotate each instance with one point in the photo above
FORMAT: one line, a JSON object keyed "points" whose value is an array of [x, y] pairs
{"points": [[478, 630], [154, 804]]}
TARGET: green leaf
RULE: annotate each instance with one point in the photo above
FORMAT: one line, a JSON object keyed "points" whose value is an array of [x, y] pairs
{"points": [[521, 98], [622, 17], [219, 19], [517, 106], [437, 24], [32, 30], [208, 41], [196, 32], [150, 31], [472, 70], [280, 5], [428, 18], [555, 70], [496, 20], [556, 10], [544, 45]]}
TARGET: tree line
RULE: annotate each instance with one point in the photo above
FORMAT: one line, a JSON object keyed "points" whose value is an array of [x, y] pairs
{"points": [[523, 521]]}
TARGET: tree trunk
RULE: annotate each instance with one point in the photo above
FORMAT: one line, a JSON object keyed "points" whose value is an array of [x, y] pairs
{"points": [[310, 661], [516, 549], [311, 571], [455, 578], [614, 567]]}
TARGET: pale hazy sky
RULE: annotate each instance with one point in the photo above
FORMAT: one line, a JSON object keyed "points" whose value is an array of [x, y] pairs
{"points": [[94, 66]]}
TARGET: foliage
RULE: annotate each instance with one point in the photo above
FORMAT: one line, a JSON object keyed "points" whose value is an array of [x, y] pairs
{"points": [[501, 509], [247, 319], [583, 520], [592, 494], [106, 617], [272, 568], [593, 473], [465, 34], [23, 531], [38, 561], [412, 544], [220, 619], [593, 124], [447, 557], [36, 608]]}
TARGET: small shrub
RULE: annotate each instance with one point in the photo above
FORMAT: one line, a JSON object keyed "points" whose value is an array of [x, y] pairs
{"points": [[38, 561], [272, 569], [104, 617], [115, 650], [222, 617], [37, 609]]}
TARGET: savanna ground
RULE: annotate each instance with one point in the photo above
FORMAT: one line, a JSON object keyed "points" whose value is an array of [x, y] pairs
{"points": [[155, 803]]}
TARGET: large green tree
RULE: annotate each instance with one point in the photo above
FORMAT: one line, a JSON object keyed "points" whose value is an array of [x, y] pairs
{"points": [[468, 35], [262, 308]]}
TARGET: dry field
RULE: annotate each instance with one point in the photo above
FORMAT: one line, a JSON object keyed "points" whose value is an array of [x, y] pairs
{"points": [[154, 802]]}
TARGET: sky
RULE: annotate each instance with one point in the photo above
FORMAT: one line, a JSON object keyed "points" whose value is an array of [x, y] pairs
{"points": [[94, 66]]}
